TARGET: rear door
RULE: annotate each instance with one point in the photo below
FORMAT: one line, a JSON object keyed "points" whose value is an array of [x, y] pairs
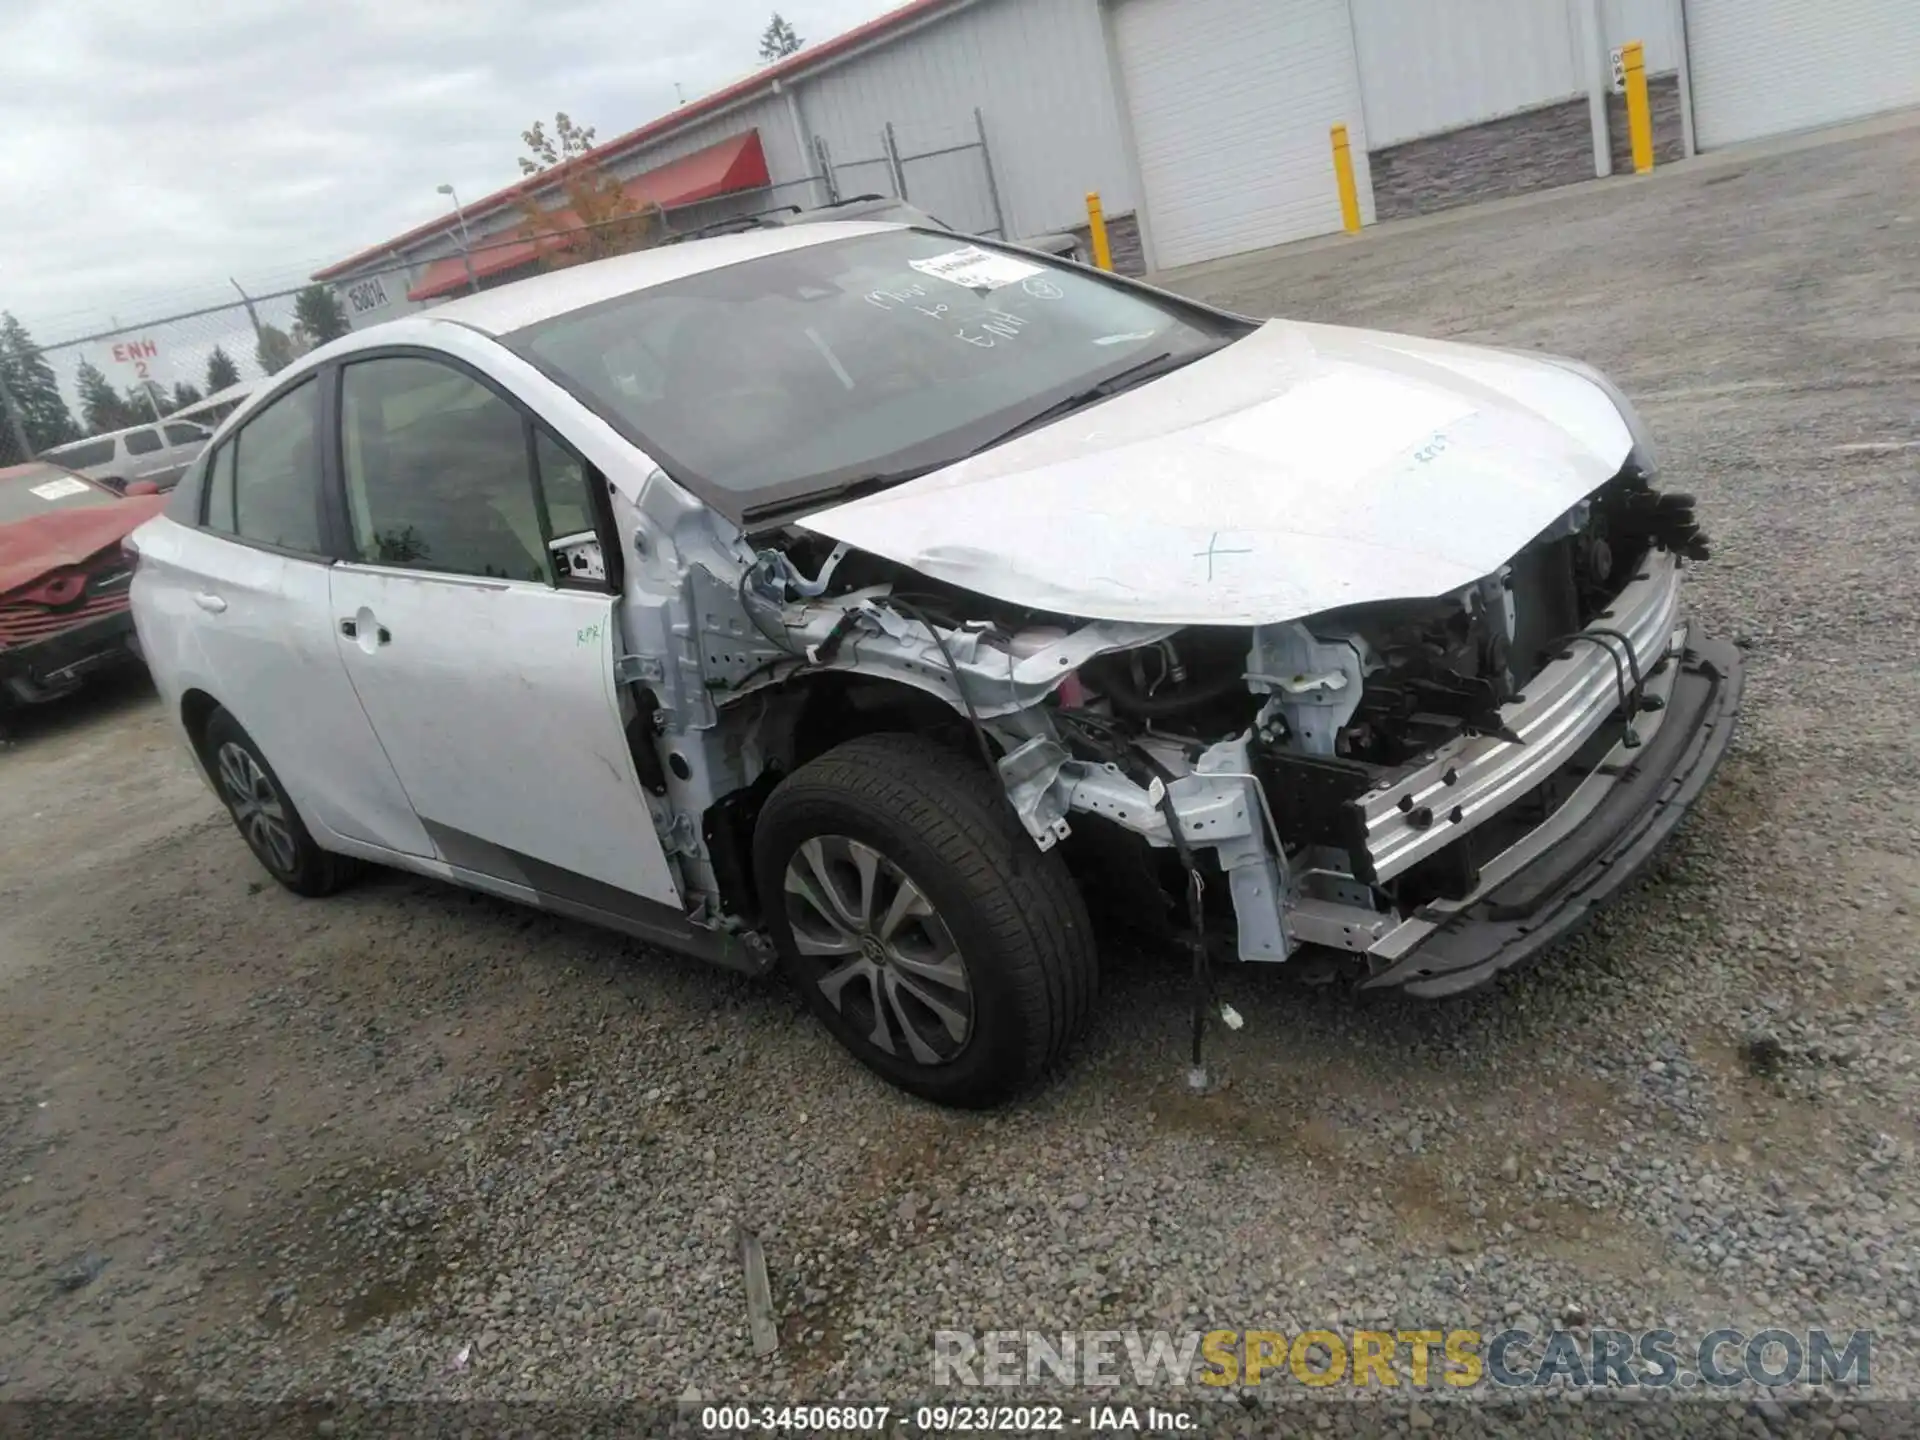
{"points": [[145, 454], [488, 675], [234, 600]]}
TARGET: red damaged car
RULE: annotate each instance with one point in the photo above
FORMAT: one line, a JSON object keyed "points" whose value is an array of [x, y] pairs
{"points": [[63, 578]]}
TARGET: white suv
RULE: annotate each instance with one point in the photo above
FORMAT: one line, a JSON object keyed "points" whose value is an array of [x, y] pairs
{"points": [[158, 454], [870, 599]]}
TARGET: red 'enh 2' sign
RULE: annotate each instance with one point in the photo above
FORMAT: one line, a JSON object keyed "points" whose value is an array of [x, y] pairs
{"points": [[136, 353]]}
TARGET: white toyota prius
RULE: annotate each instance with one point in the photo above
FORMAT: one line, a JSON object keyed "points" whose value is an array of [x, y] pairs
{"points": [[893, 606]]}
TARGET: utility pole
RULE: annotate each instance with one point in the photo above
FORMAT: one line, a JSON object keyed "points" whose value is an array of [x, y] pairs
{"points": [[252, 314], [466, 240], [1590, 23]]}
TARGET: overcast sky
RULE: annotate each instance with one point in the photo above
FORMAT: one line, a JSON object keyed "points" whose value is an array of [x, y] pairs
{"points": [[152, 150]]}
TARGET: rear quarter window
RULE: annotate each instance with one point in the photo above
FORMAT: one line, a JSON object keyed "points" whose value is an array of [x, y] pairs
{"points": [[264, 483], [85, 455]]}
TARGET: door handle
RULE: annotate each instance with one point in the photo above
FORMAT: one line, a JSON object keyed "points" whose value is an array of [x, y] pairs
{"points": [[350, 628], [212, 604]]}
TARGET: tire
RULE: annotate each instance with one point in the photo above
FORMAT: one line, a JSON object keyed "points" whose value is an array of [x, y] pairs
{"points": [[262, 813], [936, 823]]}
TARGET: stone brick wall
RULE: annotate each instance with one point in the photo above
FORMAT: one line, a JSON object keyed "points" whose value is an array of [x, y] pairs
{"points": [[1123, 239], [1669, 140], [1535, 150]]}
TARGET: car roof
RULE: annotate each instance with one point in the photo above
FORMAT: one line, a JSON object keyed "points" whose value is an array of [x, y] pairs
{"points": [[114, 434], [860, 207], [559, 292]]}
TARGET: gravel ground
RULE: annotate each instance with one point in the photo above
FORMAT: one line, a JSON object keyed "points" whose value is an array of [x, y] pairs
{"points": [[413, 1142]]}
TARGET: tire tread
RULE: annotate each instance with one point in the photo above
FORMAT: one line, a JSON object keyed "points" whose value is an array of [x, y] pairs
{"points": [[1024, 897]]}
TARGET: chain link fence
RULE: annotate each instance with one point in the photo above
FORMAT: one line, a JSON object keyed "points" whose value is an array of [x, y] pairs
{"points": [[173, 359], [130, 374], [945, 171]]}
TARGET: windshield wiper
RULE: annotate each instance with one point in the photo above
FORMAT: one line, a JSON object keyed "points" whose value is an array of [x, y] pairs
{"points": [[844, 491], [1138, 373]]}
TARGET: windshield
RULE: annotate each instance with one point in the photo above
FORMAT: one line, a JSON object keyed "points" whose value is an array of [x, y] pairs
{"points": [[801, 373], [30, 490]]}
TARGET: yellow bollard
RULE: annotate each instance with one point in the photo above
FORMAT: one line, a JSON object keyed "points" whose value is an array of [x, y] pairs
{"points": [[1097, 227], [1633, 60], [1343, 179]]}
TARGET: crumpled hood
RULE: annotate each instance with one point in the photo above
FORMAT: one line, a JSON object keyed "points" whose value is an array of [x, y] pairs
{"points": [[36, 547], [1303, 468]]}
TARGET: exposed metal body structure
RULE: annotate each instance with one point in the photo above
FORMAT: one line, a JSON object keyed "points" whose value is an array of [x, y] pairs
{"points": [[718, 675]]}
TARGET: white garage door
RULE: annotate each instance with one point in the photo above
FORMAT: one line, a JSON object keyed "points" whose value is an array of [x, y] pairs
{"points": [[1768, 67], [1231, 102]]}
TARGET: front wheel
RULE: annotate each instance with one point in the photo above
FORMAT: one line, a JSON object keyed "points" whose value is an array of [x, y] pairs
{"points": [[263, 814], [921, 923]]}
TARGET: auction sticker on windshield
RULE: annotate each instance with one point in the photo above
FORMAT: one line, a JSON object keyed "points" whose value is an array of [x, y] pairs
{"points": [[976, 269], [61, 488]]}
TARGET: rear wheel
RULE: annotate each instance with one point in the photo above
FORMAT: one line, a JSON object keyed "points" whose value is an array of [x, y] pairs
{"points": [[921, 923], [263, 814]]}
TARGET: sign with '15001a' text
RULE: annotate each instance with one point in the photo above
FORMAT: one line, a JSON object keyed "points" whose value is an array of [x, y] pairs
{"points": [[366, 296]]}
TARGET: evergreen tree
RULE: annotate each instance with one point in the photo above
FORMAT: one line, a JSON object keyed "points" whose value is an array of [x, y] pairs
{"points": [[778, 40], [221, 371], [275, 351], [185, 395], [35, 390], [102, 407], [318, 311]]}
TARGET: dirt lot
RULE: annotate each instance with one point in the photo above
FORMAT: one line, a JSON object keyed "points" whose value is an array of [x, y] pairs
{"points": [[411, 1141]]}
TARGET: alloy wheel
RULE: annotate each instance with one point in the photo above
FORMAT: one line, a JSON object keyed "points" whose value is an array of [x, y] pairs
{"points": [[882, 955], [257, 809]]}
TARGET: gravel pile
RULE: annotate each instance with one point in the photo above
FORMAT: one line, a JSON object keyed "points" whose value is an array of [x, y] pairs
{"points": [[459, 1151]]}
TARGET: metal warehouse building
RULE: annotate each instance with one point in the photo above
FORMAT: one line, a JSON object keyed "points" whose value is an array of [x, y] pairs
{"points": [[1204, 124]]}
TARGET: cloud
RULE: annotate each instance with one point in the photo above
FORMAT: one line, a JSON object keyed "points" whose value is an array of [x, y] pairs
{"points": [[153, 151]]}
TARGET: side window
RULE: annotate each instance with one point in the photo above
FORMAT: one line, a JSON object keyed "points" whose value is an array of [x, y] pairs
{"points": [[266, 480], [183, 434], [85, 455], [143, 442], [563, 481], [438, 472]]}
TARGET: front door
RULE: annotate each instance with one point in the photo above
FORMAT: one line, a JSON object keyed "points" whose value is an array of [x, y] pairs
{"points": [[488, 676]]}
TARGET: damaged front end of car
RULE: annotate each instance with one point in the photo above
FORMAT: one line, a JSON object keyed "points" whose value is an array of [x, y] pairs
{"points": [[1417, 793], [1447, 785]]}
